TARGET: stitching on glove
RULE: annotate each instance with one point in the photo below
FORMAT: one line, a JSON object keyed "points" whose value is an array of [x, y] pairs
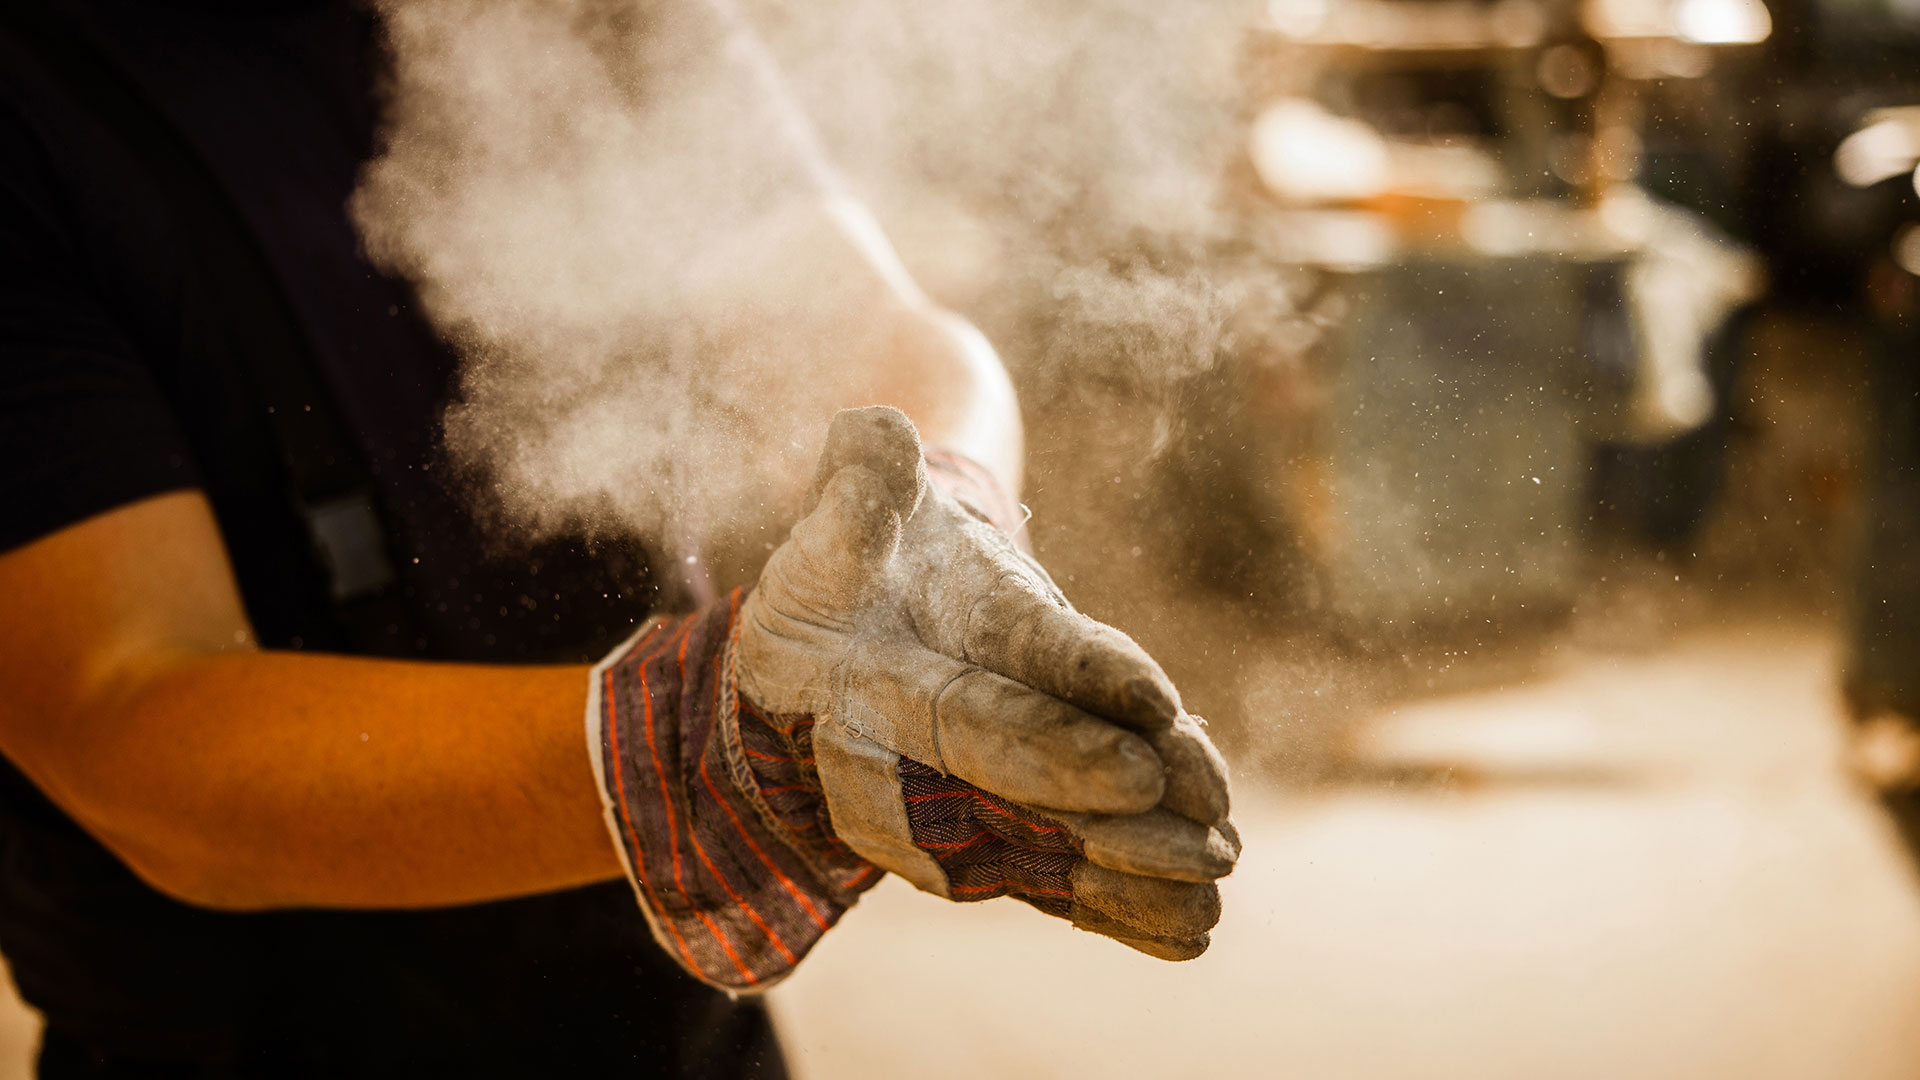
{"points": [[1005, 579], [940, 758], [786, 689], [735, 751], [793, 828]]}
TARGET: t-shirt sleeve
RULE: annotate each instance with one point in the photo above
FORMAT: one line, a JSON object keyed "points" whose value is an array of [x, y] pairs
{"points": [[84, 426]]}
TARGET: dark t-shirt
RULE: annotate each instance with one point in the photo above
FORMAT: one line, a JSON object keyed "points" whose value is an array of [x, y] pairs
{"points": [[123, 374]]}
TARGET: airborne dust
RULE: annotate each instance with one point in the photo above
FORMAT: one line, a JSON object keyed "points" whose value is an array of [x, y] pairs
{"points": [[608, 206]]}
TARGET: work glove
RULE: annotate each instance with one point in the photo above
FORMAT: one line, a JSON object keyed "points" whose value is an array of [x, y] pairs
{"points": [[904, 690]]}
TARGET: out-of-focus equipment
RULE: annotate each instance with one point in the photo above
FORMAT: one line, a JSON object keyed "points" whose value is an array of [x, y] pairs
{"points": [[903, 689], [1886, 145], [1462, 173]]}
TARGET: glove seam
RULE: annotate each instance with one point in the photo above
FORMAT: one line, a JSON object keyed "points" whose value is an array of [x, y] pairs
{"points": [[792, 697], [939, 695], [1002, 579], [741, 773], [611, 816]]}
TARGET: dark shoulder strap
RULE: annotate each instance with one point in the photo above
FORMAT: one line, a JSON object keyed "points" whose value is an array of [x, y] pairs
{"points": [[328, 477]]}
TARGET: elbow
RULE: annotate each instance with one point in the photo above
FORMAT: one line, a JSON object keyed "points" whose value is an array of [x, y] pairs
{"points": [[149, 825], [960, 394], [211, 891], [188, 872], [143, 800]]}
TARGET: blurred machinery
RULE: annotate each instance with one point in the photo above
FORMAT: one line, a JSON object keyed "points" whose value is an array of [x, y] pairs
{"points": [[1466, 174]]}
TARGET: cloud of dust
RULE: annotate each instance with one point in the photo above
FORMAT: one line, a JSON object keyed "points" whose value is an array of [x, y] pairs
{"points": [[594, 197]]}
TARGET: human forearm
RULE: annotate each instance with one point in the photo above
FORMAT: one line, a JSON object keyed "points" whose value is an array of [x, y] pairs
{"points": [[263, 779], [900, 690], [819, 287], [951, 384], [933, 365], [822, 273]]}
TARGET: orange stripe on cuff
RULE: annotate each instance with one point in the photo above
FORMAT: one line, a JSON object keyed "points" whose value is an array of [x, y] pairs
{"points": [[626, 821]]}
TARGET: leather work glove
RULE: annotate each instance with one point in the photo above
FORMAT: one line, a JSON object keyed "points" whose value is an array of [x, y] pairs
{"points": [[903, 690]]}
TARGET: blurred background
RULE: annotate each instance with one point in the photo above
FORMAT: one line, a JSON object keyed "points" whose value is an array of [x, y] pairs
{"points": [[1518, 471], [1536, 534]]}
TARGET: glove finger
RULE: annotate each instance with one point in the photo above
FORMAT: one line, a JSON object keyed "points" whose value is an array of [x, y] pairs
{"points": [[841, 547], [879, 438], [1036, 749], [1163, 948], [996, 734], [1158, 843], [1196, 773], [1013, 628], [1159, 907], [1175, 951], [1231, 835]]}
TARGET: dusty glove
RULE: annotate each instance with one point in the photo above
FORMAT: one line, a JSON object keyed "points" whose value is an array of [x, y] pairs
{"points": [[903, 688], [921, 634]]}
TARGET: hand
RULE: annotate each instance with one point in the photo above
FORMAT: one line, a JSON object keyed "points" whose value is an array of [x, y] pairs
{"points": [[970, 730], [1883, 751]]}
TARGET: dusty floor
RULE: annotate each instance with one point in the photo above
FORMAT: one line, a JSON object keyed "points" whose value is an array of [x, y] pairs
{"points": [[1638, 864]]}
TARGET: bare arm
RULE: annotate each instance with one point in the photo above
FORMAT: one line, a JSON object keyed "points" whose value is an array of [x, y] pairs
{"points": [[818, 285], [824, 269], [233, 777], [239, 778], [934, 365]]}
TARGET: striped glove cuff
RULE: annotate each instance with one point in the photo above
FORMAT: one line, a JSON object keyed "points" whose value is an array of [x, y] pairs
{"points": [[714, 806]]}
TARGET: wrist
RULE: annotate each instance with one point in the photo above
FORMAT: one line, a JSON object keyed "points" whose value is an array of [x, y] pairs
{"points": [[771, 759], [975, 487], [737, 875]]}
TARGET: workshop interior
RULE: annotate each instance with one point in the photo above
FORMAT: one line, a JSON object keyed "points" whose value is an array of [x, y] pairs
{"points": [[1500, 420]]}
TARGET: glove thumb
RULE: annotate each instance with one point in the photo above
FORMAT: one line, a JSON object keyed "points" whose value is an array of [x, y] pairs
{"points": [[881, 439], [843, 544]]}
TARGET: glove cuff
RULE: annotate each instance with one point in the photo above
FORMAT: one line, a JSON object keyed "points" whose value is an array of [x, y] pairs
{"points": [[714, 807], [974, 486]]}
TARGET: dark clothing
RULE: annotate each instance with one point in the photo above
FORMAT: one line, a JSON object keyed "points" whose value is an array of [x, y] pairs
{"points": [[123, 374]]}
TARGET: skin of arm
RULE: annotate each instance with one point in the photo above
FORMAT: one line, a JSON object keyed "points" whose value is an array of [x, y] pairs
{"points": [[238, 778]]}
